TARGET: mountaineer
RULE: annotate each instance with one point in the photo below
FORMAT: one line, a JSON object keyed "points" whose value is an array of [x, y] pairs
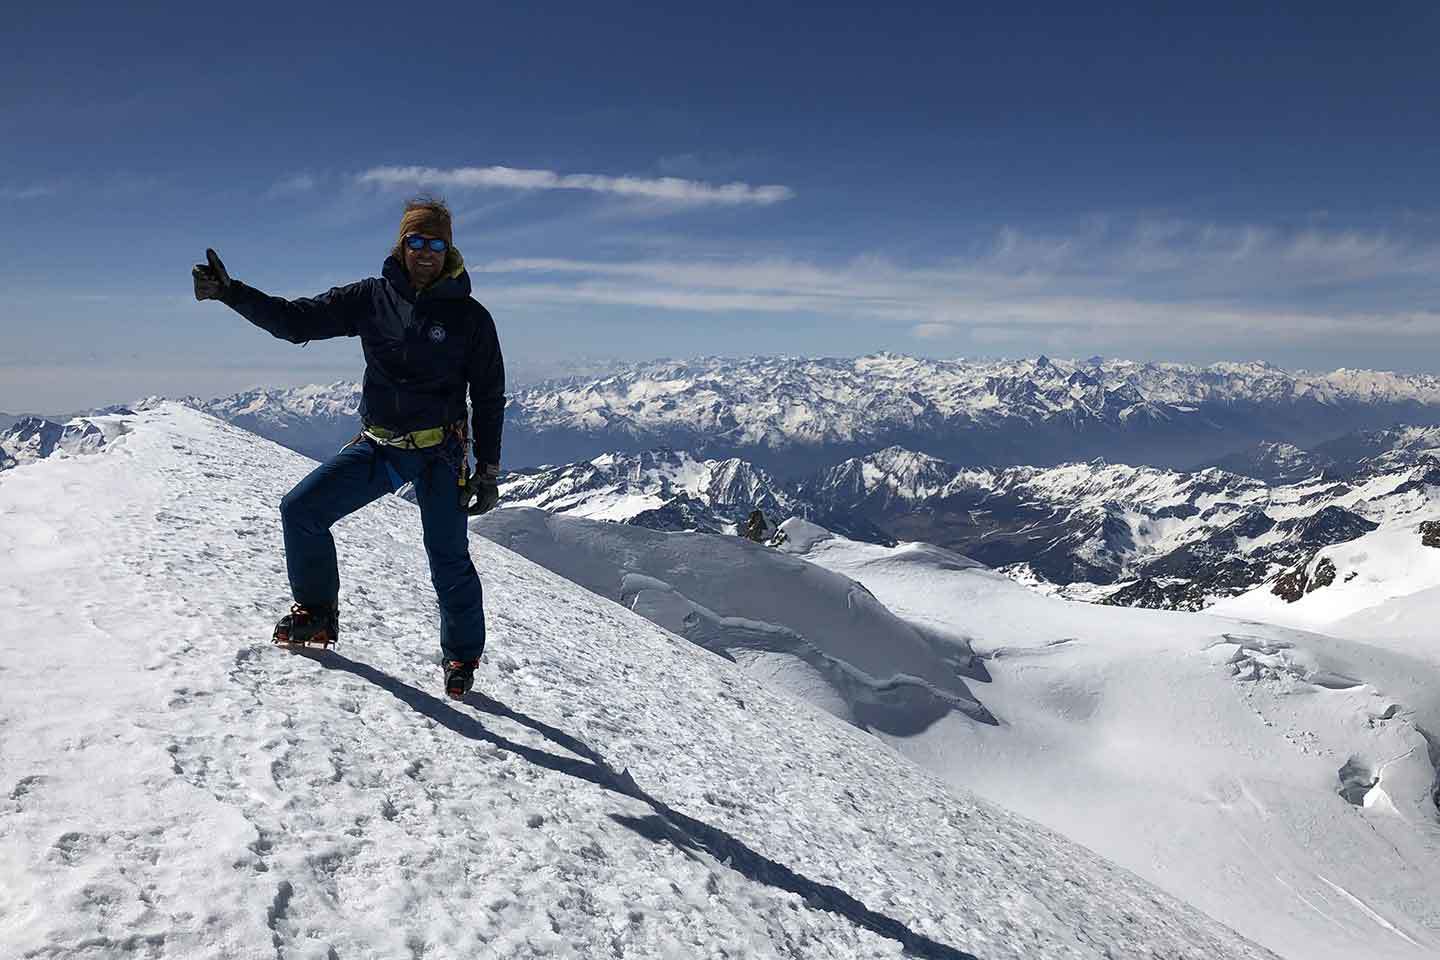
{"points": [[426, 342]]}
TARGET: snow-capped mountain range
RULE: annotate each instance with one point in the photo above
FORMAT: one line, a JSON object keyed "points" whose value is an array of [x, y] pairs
{"points": [[1181, 539], [1149, 536], [1131, 535], [793, 416], [315, 420]]}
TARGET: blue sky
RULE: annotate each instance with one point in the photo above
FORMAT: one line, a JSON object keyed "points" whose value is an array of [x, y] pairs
{"points": [[1248, 182]]}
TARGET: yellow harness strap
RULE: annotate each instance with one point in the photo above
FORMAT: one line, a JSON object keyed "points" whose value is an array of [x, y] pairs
{"points": [[414, 440], [425, 439]]}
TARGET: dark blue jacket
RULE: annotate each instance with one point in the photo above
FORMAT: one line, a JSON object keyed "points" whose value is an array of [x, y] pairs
{"points": [[421, 350]]}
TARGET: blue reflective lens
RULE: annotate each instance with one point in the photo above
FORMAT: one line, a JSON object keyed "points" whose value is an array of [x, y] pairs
{"points": [[416, 242]]}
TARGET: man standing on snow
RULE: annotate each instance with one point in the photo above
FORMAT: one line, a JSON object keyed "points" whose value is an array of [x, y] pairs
{"points": [[425, 340]]}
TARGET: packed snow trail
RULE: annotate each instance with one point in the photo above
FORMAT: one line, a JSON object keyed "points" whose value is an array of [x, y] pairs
{"points": [[175, 787]]}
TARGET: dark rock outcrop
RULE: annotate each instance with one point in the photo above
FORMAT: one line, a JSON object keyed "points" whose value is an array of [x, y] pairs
{"points": [[1430, 533], [1294, 584]]}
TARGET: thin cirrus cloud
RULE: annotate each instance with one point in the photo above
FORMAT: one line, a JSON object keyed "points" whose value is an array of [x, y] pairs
{"points": [[29, 191], [293, 185], [1147, 281], [666, 189]]}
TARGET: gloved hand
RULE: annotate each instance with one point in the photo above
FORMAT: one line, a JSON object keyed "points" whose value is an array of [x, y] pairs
{"points": [[211, 280], [480, 493]]}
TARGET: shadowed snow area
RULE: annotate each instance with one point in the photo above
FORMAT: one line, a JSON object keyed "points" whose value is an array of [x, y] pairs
{"points": [[1281, 781], [174, 787], [796, 625]]}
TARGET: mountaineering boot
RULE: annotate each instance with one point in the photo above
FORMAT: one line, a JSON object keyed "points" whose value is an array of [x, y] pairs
{"points": [[459, 677], [308, 626]]}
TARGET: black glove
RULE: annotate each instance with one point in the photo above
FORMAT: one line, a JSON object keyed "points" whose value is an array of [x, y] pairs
{"points": [[211, 280], [480, 494]]}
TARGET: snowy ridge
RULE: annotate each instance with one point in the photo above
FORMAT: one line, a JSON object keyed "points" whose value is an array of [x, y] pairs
{"points": [[1380, 450], [650, 392], [659, 488], [277, 406], [891, 478], [614, 791], [1274, 462], [315, 420], [798, 627]]}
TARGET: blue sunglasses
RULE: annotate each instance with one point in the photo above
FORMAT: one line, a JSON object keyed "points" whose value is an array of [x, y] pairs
{"points": [[416, 242]]}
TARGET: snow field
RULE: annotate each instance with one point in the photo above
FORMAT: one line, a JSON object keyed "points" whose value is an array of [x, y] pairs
{"points": [[1208, 755], [174, 787]]}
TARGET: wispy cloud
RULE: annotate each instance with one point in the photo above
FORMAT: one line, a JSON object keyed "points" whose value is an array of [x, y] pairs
{"points": [[29, 191], [668, 189], [120, 184], [1154, 281], [293, 185]]}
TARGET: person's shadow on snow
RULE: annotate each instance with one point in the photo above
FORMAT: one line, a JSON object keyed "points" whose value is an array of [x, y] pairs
{"points": [[665, 824]]}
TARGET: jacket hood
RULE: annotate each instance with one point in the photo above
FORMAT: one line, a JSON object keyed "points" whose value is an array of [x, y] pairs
{"points": [[452, 284]]}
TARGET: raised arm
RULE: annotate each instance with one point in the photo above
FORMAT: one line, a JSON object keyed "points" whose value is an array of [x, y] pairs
{"points": [[336, 313]]}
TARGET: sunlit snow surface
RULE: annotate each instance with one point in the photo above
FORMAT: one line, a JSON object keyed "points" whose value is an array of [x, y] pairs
{"points": [[174, 787], [1277, 779], [1371, 573], [1206, 754]]}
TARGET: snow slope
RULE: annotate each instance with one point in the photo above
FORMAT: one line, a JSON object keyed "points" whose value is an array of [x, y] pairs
{"points": [[1278, 780], [799, 627], [1229, 762], [315, 419], [1383, 565], [174, 787], [1384, 591]]}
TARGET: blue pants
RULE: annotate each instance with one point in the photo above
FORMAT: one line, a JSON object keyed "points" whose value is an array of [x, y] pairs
{"points": [[359, 474]]}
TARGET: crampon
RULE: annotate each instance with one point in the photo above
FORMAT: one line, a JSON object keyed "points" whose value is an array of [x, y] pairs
{"points": [[307, 627], [459, 677]]}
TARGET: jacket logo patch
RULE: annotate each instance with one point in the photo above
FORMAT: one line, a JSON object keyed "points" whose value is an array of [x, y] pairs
{"points": [[436, 334]]}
